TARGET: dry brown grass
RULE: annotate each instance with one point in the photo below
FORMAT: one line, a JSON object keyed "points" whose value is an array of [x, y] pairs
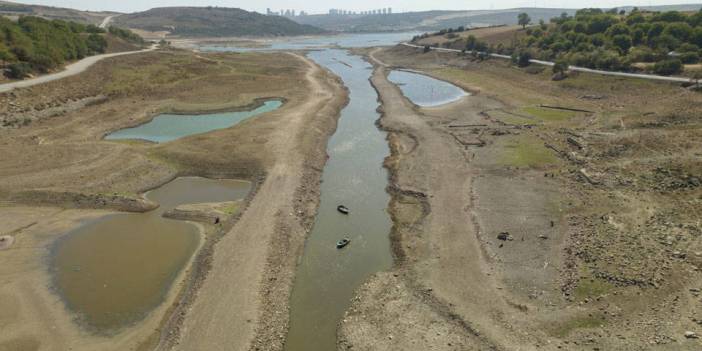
{"points": [[504, 35]]}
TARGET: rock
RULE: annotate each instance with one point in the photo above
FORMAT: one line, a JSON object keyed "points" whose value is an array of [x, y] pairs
{"points": [[6, 241], [691, 335], [504, 236], [678, 254], [543, 237], [559, 76]]}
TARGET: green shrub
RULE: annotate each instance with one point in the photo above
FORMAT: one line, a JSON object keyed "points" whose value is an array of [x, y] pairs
{"points": [[668, 67], [641, 54], [522, 58], [19, 70], [689, 57]]}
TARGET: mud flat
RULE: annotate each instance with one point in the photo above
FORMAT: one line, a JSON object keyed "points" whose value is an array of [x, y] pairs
{"points": [[518, 226]]}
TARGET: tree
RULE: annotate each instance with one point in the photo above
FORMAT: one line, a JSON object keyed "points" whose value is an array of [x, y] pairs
{"points": [[523, 58], [96, 43], [678, 30], [696, 37], [622, 42], [523, 19], [470, 42], [5, 54], [560, 66]]}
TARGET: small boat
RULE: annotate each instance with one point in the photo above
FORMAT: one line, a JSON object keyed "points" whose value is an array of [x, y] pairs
{"points": [[343, 209], [343, 242]]}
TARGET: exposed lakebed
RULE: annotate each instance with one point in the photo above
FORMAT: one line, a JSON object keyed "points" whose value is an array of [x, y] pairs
{"points": [[425, 91], [167, 127]]}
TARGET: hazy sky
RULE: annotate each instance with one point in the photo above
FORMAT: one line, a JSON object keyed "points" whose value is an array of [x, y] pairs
{"points": [[319, 6]]}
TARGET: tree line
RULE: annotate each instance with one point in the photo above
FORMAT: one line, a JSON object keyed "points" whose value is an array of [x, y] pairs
{"points": [[36, 45], [614, 40]]}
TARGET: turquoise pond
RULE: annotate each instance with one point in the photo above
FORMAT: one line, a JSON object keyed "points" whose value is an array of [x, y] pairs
{"points": [[167, 127], [425, 91]]}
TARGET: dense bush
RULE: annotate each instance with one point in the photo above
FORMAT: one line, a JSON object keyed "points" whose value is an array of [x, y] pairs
{"points": [[19, 70], [668, 67], [522, 58], [690, 57], [126, 34], [33, 44], [613, 40]]}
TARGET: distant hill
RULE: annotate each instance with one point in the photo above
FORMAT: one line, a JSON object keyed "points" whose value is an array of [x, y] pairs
{"points": [[423, 21], [436, 20], [13, 10], [213, 22]]}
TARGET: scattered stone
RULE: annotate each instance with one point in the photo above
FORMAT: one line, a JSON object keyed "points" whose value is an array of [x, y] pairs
{"points": [[6, 241], [543, 237], [678, 254], [505, 236], [691, 335]]}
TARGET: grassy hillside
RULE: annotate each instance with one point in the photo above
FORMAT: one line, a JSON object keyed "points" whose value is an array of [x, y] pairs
{"points": [[213, 22], [13, 10]]}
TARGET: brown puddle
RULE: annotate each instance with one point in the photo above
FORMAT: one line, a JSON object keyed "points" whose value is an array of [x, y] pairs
{"points": [[114, 270]]}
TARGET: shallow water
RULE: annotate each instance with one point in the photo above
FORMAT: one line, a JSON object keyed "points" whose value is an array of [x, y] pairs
{"points": [[167, 127], [341, 40], [354, 176], [425, 91], [114, 270]]}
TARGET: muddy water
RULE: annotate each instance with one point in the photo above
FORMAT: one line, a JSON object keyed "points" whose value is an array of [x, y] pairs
{"points": [[425, 91], [167, 127], [327, 277], [114, 270]]}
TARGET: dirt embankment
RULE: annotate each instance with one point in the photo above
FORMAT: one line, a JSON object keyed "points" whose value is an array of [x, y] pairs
{"points": [[519, 226], [63, 158]]}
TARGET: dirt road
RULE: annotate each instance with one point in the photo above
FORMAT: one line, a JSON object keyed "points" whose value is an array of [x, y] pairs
{"points": [[70, 70], [107, 20]]}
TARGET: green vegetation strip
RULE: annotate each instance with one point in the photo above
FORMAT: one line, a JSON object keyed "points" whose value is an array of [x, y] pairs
{"points": [[548, 114], [526, 151]]}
